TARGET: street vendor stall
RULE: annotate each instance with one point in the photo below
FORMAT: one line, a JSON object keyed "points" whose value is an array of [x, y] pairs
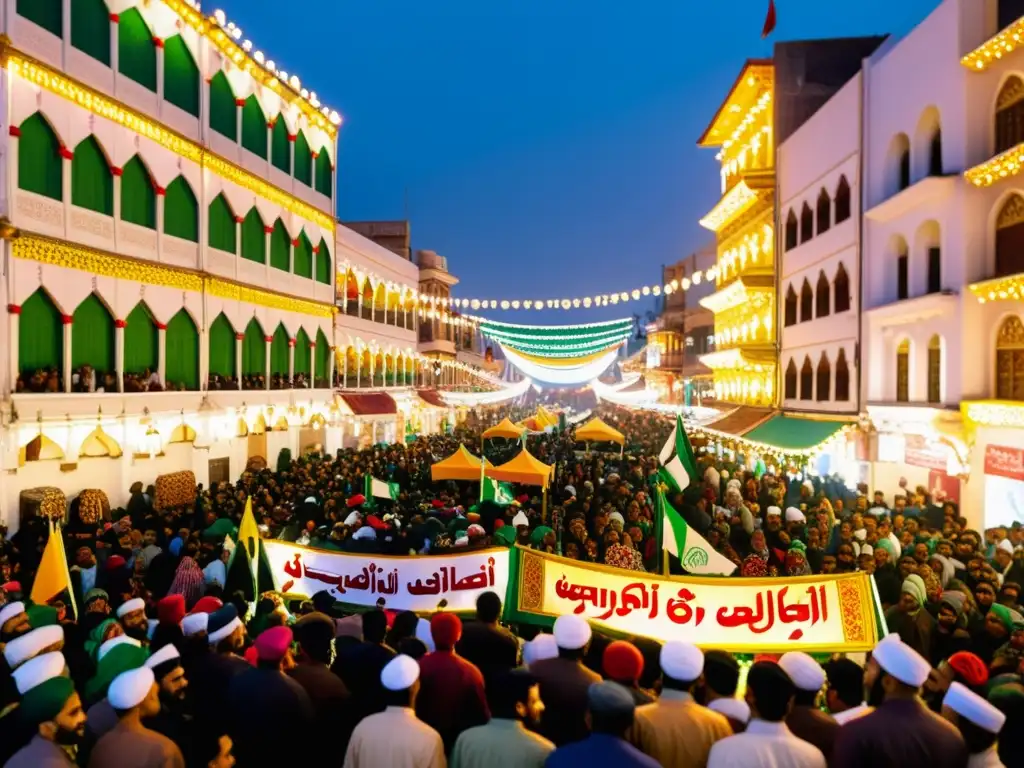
{"points": [[461, 465], [525, 469], [505, 428], [596, 431]]}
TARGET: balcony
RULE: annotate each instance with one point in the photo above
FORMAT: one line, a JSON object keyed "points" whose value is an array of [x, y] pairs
{"points": [[929, 190], [997, 47]]}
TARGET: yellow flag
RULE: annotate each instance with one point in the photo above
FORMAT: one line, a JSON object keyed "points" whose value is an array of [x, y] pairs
{"points": [[52, 578], [249, 536]]}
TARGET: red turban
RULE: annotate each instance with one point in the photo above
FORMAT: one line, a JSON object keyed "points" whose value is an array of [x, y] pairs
{"points": [[446, 629], [971, 668], [623, 661], [376, 523], [356, 500], [437, 503], [171, 609], [114, 562], [207, 604]]}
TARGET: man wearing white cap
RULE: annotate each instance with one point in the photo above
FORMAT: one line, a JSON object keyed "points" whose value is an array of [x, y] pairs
{"points": [[52, 709], [173, 720], [806, 721], [676, 730], [132, 615], [396, 738], [979, 722], [34, 643], [134, 695], [902, 730], [564, 682], [13, 622]]}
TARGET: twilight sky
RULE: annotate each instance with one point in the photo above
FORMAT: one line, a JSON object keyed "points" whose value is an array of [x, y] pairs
{"points": [[546, 147]]}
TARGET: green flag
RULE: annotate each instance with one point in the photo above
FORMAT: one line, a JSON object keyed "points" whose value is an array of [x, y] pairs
{"points": [[678, 464], [694, 553], [378, 489], [499, 493]]}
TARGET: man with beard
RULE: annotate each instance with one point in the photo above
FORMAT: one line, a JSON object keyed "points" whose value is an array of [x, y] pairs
{"points": [[132, 615], [212, 672], [949, 636], [773, 529], [845, 694], [13, 622], [85, 575], [718, 693], [173, 720], [963, 667], [805, 719], [333, 707], [52, 708]]}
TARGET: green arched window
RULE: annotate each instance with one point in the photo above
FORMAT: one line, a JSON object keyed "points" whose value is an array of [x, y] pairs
{"points": [[39, 160], [138, 197], [279, 351], [40, 335], [303, 355], [323, 357], [90, 28], [303, 256], [223, 109], [323, 263], [254, 127], [221, 223], [254, 350], [92, 336], [181, 211], [48, 14], [280, 247], [303, 160], [280, 147], [181, 356], [181, 76], [141, 341], [254, 237], [324, 173], [222, 347], [136, 49], [92, 183]]}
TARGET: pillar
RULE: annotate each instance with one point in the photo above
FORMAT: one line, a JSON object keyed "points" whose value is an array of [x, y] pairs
{"points": [[332, 366], [13, 337], [313, 372], [239, 338], [119, 326], [266, 362], [291, 363], [161, 353], [66, 363]]}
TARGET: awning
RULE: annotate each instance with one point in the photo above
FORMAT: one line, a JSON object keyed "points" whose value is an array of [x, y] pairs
{"points": [[370, 404], [461, 465], [431, 397], [505, 429], [596, 431], [524, 469], [741, 420], [793, 433]]}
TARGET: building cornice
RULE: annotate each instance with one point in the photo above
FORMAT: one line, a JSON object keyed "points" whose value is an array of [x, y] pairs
{"points": [[755, 291], [1009, 288], [998, 46], [1002, 166]]}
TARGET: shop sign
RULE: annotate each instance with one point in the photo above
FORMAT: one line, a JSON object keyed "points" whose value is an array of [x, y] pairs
{"points": [[1004, 462], [921, 452], [949, 486]]}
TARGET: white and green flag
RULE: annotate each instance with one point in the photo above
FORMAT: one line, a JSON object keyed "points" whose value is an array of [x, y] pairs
{"points": [[378, 489], [499, 493], [678, 464], [694, 553]]}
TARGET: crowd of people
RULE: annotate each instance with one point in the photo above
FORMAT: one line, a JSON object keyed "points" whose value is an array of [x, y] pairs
{"points": [[156, 658]]}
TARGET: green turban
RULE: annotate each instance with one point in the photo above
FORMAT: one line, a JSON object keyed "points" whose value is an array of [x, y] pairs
{"points": [[95, 638], [1004, 614], [458, 524], [538, 534], [45, 701], [220, 528], [886, 544], [120, 658], [505, 535], [41, 616]]}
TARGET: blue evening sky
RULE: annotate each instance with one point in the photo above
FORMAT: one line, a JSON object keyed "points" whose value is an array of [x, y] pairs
{"points": [[546, 147]]}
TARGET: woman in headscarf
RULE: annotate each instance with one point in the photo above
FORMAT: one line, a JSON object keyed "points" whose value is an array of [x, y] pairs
{"points": [[188, 581], [944, 568], [796, 560], [913, 625], [756, 563]]}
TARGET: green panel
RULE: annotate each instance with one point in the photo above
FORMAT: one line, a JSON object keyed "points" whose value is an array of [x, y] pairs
{"points": [[254, 127], [141, 341], [222, 347], [254, 238], [92, 336], [279, 352], [181, 211], [136, 51], [181, 76], [222, 235], [90, 28], [303, 160], [323, 355], [223, 109], [182, 352], [39, 160], [303, 354], [323, 263], [40, 335], [138, 197], [92, 183], [280, 247], [48, 14], [324, 173], [254, 350], [304, 257], [793, 434], [280, 147]]}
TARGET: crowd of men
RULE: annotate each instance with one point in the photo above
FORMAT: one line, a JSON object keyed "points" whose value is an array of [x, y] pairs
{"points": [[164, 663]]}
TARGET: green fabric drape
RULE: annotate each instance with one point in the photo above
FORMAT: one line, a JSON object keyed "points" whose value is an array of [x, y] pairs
{"points": [[254, 350], [303, 160], [323, 355], [181, 211], [141, 341], [323, 263], [254, 237], [279, 352], [138, 197], [280, 147], [92, 183], [223, 109], [280, 247], [222, 235], [39, 160], [92, 336], [48, 14], [254, 127], [302, 352], [304, 256], [40, 335], [136, 50], [181, 76], [324, 173], [222, 347], [181, 356], [90, 28]]}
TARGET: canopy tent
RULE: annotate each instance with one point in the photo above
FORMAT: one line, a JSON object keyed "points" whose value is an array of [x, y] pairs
{"points": [[503, 429], [596, 431], [461, 465], [524, 469]]}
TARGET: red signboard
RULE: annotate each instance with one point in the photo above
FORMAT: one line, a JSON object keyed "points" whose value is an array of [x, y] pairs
{"points": [[921, 452], [939, 481], [1004, 462]]}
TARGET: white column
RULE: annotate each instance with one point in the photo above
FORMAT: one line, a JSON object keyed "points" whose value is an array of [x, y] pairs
{"points": [[291, 362], [266, 362], [161, 353], [159, 43], [119, 326], [161, 196], [114, 58], [67, 353], [239, 338], [312, 363], [204, 359], [344, 369], [332, 365], [13, 325]]}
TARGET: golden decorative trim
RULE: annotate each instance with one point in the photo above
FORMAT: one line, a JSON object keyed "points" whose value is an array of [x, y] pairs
{"points": [[1011, 213], [1011, 334], [992, 413], [733, 204], [39, 74], [999, 289], [995, 48], [234, 292], [1002, 166], [1011, 92]]}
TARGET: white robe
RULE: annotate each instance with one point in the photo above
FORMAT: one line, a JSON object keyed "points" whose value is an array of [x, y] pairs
{"points": [[765, 745]]}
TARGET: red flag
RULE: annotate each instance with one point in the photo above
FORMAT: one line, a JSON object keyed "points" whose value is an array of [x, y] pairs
{"points": [[769, 20]]}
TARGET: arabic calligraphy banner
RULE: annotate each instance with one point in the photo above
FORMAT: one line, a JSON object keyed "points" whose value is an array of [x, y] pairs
{"points": [[772, 615], [406, 583]]}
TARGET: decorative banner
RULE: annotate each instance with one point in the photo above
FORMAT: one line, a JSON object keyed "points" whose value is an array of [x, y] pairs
{"points": [[405, 583], [771, 615], [1004, 462]]}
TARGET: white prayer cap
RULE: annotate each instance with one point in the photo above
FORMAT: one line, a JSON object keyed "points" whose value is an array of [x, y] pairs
{"points": [[867, 549], [113, 642], [808, 484], [861, 534], [1006, 546], [542, 647], [135, 604], [353, 518], [973, 707], [794, 515], [773, 510], [165, 654], [129, 689], [38, 670], [712, 476], [424, 635], [9, 611], [901, 661], [194, 623], [400, 673], [877, 511], [616, 515], [310, 500], [805, 672], [23, 648], [572, 632], [681, 661], [734, 483], [520, 519], [366, 532]]}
